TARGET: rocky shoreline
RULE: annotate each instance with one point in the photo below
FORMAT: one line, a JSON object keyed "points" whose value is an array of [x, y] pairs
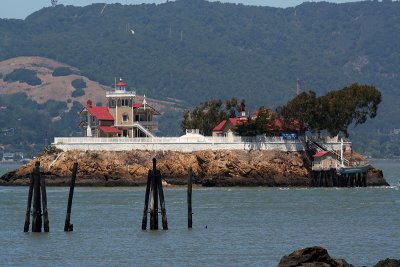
{"points": [[211, 168]]}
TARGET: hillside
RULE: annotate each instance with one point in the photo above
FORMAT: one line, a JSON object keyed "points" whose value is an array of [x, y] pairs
{"points": [[193, 50], [32, 115], [51, 88]]}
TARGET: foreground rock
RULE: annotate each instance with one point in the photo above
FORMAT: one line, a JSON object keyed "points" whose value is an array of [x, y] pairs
{"points": [[311, 257], [211, 168], [319, 257], [388, 263]]}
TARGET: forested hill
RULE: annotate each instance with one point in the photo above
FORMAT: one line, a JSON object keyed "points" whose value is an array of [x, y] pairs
{"points": [[195, 50]]}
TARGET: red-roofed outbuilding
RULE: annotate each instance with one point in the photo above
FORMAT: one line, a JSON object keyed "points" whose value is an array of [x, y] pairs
{"points": [[325, 160]]}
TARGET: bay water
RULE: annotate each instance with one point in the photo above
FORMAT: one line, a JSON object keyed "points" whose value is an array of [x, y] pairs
{"points": [[231, 226]]}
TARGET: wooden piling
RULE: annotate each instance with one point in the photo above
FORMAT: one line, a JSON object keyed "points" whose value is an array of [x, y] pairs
{"points": [[365, 179], [358, 179], [189, 197], [154, 199], [154, 191], [162, 201], [37, 212], [146, 202], [68, 227], [44, 204], [29, 205]]}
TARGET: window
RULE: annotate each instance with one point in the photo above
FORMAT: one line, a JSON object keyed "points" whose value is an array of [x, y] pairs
{"points": [[139, 117], [112, 103], [125, 117], [125, 102]]}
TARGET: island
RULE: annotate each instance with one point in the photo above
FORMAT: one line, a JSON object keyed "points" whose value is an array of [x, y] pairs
{"points": [[210, 168]]}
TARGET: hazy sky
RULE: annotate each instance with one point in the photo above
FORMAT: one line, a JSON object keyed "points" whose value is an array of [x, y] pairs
{"points": [[22, 8]]}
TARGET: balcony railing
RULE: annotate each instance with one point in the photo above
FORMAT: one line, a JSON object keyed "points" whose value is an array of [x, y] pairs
{"points": [[148, 123]]}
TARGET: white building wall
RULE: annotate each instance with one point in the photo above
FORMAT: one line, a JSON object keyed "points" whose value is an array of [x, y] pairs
{"points": [[182, 145]]}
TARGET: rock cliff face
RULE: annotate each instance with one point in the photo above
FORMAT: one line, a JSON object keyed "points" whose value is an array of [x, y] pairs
{"points": [[211, 168]]}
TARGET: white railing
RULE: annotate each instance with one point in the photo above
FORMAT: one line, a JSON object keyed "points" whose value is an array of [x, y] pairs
{"points": [[143, 129], [119, 93], [148, 123], [209, 139]]}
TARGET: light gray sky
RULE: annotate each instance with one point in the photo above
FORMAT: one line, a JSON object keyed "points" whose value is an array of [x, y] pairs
{"points": [[21, 8]]}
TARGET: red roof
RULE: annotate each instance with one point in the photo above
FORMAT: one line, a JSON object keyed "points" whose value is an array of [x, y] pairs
{"points": [[109, 129], [236, 121], [233, 121], [121, 84], [220, 126], [137, 105], [320, 154], [101, 113]]}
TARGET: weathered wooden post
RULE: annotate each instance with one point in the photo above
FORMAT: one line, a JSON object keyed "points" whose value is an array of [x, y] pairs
{"points": [[162, 201], [44, 203], [365, 179], [37, 212], [154, 190], [29, 205], [68, 227], [154, 198], [189, 197], [146, 202]]}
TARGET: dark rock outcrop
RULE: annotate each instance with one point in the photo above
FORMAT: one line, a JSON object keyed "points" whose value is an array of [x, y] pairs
{"points": [[311, 257], [388, 263]]}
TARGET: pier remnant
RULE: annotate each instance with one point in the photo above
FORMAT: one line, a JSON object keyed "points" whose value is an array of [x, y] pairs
{"points": [[146, 201], [334, 178], [29, 204], [69, 227], [44, 204], [189, 197], [37, 189], [154, 193]]}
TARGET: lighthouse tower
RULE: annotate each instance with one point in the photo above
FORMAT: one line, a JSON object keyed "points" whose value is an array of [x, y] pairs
{"points": [[120, 103], [133, 119]]}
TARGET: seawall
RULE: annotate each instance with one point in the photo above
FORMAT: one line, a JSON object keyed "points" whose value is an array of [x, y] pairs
{"points": [[189, 143], [211, 168]]}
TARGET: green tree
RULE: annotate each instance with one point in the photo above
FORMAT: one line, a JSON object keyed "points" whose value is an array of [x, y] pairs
{"points": [[232, 106], [62, 71], [304, 108], [335, 111], [78, 84], [23, 75], [263, 123]]}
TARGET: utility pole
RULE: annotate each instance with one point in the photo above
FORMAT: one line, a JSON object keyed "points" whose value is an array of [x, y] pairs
{"points": [[298, 87]]}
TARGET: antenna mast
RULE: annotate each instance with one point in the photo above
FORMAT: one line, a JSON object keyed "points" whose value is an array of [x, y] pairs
{"points": [[298, 87], [54, 3]]}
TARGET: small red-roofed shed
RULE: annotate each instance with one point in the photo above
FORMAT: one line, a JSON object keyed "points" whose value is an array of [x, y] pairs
{"points": [[227, 126], [325, 160]]}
